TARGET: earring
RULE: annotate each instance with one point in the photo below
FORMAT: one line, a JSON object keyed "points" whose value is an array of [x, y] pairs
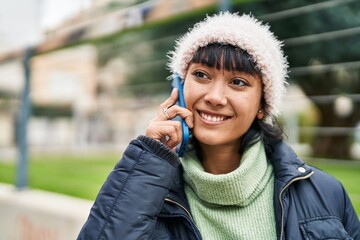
{"points": [[260, 115]]}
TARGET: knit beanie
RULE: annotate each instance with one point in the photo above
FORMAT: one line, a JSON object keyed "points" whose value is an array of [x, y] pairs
{"points": [[244, 32]]}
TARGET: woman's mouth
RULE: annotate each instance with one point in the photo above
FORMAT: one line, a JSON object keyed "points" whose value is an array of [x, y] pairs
{"points": [[215, 118]]}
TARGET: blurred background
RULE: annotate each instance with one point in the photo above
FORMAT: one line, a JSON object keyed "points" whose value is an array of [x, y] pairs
{"points": [[79, 79]]}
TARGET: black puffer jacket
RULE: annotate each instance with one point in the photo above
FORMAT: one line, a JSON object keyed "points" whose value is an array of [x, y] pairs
{"points": [[143, 198]]}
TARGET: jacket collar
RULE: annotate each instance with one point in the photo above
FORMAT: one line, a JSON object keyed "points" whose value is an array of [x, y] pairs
{"points": [[287, 165], [288, 168]]}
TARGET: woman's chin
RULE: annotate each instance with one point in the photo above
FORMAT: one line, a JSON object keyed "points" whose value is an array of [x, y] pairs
{"points": [[211, 139]]}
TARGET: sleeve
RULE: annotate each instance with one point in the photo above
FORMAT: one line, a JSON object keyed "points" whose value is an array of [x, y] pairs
{"points": [[133, 194]]}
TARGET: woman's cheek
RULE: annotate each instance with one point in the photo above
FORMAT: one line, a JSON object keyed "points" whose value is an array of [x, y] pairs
{"points": [[187, 96]]}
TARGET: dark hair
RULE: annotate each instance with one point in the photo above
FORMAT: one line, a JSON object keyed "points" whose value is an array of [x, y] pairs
{"points": [[232, 58], [226, 57]]}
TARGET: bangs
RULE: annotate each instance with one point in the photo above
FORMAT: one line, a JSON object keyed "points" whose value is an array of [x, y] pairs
{"points": [[226, 57]]}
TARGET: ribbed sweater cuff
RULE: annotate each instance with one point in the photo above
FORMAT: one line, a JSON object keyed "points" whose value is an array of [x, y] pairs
{"points": [[160, 150]]}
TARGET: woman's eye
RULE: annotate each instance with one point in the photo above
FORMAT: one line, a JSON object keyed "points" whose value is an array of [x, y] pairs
{"points": [[238, 82], [199, 74]]}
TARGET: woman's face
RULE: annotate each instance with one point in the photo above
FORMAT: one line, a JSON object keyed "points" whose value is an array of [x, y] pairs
{"points": [[224, 103]]}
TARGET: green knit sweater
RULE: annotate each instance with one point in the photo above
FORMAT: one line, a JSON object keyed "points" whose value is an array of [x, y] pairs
{"points": [[237, 205]]}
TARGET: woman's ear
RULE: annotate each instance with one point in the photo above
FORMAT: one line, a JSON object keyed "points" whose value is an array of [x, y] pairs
{"points": [[260, 114]]}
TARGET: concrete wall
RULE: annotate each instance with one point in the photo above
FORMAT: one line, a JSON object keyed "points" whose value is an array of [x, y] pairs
{"points": [[40, 215]]}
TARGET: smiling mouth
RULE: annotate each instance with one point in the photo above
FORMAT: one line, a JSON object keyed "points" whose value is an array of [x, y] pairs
{"points": [[213, 118]]}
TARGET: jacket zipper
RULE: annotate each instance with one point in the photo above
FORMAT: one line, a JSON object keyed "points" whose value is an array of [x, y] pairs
{"points": [[181, 206], [281, 203], [196, 231]]}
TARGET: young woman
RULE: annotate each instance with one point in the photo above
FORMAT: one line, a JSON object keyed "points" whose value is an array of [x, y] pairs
{"points": [[239, 180]]}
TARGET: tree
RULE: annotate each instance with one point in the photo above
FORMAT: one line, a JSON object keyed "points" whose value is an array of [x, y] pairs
{"points": [[326, 66]]}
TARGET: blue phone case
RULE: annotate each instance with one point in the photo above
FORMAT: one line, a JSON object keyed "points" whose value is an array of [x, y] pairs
{"points": [[179, 84]]}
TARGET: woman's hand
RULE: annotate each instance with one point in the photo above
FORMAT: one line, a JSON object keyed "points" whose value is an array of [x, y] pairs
{"points": [[162, 128]]}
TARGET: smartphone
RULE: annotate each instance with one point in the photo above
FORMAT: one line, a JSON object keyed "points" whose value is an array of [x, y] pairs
{"points": [[178, 83]]}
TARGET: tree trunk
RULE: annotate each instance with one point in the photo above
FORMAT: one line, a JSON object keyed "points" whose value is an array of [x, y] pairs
{"points": [[334, 137]]}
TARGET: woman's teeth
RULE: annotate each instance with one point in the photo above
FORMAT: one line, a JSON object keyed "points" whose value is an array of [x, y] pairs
{"points": [[212, 118]]}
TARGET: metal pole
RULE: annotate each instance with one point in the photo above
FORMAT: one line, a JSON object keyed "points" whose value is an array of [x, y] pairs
{"points": [[22, 121]]}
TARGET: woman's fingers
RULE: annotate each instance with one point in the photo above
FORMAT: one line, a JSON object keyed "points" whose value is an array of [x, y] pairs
{"points": [[168, 110], [170, 101], [163, 128], [175, 110], [168, 132]]}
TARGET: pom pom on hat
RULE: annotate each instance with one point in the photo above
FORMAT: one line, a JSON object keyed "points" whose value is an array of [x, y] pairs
{"points": [[247, 33]]}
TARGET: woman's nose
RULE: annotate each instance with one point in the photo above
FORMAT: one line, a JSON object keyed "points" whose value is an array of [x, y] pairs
{"points": [[216, 95]]}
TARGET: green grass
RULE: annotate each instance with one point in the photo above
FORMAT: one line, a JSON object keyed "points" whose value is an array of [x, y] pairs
{"points": [[82, 176], [79, 176]]}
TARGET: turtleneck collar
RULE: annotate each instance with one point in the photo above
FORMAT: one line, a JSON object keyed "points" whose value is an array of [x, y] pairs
{"points": [[239, 187]]}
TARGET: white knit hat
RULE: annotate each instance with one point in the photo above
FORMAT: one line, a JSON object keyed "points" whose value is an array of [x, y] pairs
{"points": [[247, 33]]}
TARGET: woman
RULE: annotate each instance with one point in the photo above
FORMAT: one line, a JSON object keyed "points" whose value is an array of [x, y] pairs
{"points": [[240, 180]]}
